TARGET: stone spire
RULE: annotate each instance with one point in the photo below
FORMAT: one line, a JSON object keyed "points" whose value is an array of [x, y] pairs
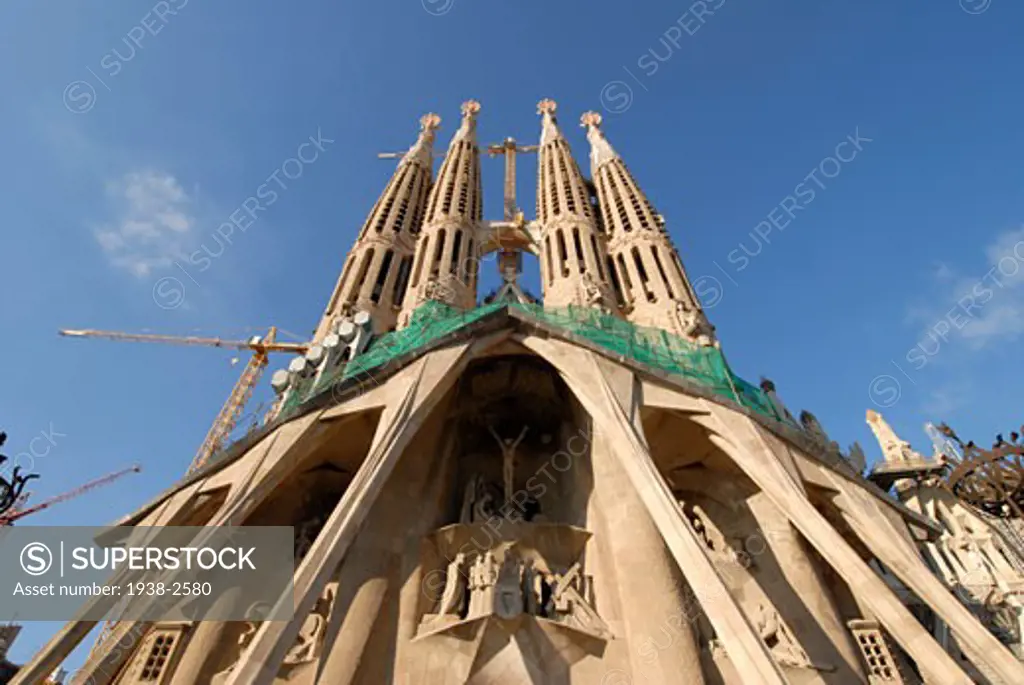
{"points": [[650, 278], [573, 258], [893, 448], [445, 267], [422, 151], [549, 130], [377, 268], [467, 130], [601, 150]]}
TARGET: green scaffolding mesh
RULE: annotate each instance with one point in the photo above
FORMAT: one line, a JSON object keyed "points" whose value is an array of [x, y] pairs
{"points": [[654, 347]]}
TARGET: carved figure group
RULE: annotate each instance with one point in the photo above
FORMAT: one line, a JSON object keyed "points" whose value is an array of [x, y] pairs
{"points": [[592, 296], [515, 586], [780, 642], [696, 326], [479, 503]]}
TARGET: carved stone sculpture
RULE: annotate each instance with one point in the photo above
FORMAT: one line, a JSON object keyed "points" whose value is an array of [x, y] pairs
{"points": [[696, 326], [482, 577], [478, 503], [508, 455], [592, 296], [454, 598], [894, 449], [509, 588], [777, 638]]}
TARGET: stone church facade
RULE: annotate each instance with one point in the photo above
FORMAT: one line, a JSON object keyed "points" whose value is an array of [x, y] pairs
{"points": [[573, 492]]}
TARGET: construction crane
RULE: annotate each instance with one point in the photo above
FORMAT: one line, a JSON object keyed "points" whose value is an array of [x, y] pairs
{"points": [[227, 417], [229, 414], [14, 515]]}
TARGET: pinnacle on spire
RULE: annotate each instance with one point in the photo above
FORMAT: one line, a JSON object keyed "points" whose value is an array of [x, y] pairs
{"points": [[422, 150], [467, 131], [601, 150], [549, 125]]}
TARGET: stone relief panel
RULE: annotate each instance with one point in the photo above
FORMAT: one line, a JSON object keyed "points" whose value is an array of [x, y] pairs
{"points": [[308, 646]]}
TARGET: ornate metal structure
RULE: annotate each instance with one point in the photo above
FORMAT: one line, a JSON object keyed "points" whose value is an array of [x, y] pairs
{"points": [[10, 490], [991, 480]]}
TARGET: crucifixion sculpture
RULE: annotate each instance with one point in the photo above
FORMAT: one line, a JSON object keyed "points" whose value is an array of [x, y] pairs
{"points": [[508, 456]]}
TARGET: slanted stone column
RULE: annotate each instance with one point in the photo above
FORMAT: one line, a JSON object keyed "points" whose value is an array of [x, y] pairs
{"points": [[202, 655], [663, 644], [821, 631], [370, 574]]}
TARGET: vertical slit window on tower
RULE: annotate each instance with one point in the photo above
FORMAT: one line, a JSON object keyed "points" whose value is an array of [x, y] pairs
{"points": [[435, 264], [642, 272], [456, 246], [436, 190], [467, 263], [464, 192], [449, 184], [597, 255], [478, 198], [473, 271], [616, 286], [562, 252], [553, 187], [400, 215], [661, 270], [341, 283], [551, 267], [364, 269], [570, 201], [382, 275], [542, 200], [418, 259], [580, 261], [401, 281], [624, 273], [604, 192]]}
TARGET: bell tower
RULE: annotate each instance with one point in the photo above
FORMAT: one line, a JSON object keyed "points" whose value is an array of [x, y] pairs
{"points": [[443, 269], [646, 266], [573, 258], [376, 272]]}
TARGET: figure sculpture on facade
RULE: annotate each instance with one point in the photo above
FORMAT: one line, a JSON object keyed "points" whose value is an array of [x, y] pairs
{"points": [[696, 326], [858, 460], [453, 599], [509, 587], [482, 577], [816, 432], [478, 503], [310, 638], [533, 588], [778, 640], [508, 456], [592, 296]]}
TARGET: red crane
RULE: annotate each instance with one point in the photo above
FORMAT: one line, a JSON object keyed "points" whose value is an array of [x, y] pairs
{"points": [[9, 518]]}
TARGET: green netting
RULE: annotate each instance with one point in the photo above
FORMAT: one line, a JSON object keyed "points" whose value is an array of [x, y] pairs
{"points": [[653, 347]]}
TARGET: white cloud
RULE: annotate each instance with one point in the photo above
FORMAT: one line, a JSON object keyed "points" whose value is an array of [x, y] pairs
{"points": [[153, 220], [948, 398], [983, 308]]}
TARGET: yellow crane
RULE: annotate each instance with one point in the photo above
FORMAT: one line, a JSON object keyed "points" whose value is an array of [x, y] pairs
{"points": [[229, 414]]}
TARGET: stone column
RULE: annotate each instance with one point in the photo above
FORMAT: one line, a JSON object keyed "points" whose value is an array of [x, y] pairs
{"points": [[205, 648], [369, 575], [821, 631], [655, 615]]}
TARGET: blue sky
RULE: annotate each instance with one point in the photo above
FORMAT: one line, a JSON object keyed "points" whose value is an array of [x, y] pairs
{"points": [[118, 164]]}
